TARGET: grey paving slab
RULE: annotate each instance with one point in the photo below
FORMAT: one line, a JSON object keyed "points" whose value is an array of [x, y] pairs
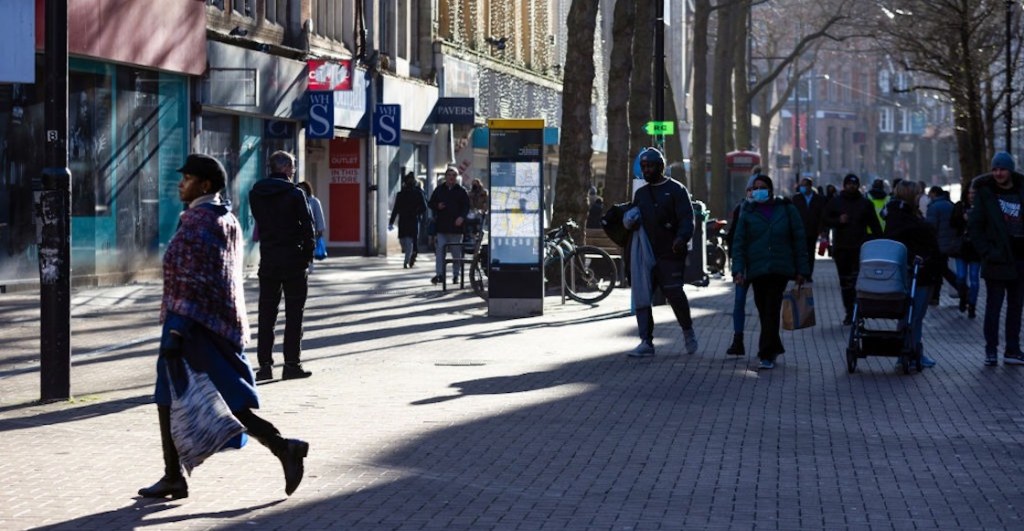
{"points": [[424, 413]]}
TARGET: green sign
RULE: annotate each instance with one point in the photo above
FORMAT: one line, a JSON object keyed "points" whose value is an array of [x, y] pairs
{"points": [[660, 128]]}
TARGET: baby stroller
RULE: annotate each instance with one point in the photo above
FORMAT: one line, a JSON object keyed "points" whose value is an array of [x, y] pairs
{"points": [[884, 297]]}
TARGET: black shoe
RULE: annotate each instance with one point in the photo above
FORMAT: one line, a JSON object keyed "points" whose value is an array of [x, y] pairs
{"points": [[405, 265], [970, 311], [847, 321], [412, 261], [294, 372], [436, 280], [174, 488], [291, 460], [736, 349], [265, 372]]}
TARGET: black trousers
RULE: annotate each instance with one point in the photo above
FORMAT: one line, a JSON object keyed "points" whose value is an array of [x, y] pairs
{"points": [[768, 292], [668, 275], [259, 428], [295, 288], [812, 245], [848, 267]]}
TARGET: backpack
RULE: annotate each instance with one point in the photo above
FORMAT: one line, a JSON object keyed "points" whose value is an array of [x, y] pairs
{"points": [[612, 223]]}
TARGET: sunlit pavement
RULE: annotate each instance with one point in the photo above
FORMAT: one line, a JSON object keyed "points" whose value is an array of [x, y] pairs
{"points": [[423, 413]]}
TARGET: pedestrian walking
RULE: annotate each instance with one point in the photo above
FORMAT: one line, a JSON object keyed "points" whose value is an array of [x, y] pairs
{"points": [[662, 221], [770, 249], [450, 204], [939, 214], [317, 210], [811, 207], [739, 302], [410, 206], [904, 223], [205, 323], [852, 219], [286, 250], [965, 256], [996, 228]]}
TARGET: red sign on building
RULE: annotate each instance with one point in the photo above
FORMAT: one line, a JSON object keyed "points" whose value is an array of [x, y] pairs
{"points": [[346, 199], [330, 75]]}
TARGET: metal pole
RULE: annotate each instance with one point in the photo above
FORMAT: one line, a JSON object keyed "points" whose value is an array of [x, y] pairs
{"points": [[53, 214], [798, 153], [659, 65], [1009, 77]]}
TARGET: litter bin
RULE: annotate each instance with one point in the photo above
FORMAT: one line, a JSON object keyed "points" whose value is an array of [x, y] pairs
{"points": [[696, 260]]}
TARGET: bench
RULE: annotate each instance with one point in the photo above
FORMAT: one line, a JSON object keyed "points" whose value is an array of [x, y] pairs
{"points": [[598, 238]]}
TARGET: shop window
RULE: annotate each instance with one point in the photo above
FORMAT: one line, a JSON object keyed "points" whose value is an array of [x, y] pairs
{"points": [[89, 143]]}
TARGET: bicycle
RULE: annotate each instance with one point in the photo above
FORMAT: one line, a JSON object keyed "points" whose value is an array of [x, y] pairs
{"points": [[589, 272]]}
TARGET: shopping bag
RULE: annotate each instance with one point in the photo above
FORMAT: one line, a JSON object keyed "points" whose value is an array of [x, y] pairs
{"points": [[798, 308], [201, 423], [320, 252]]}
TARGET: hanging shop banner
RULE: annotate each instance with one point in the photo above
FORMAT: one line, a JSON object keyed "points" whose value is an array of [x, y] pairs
{"points": [[321, 115], [345, 207], [330, 75], [387, 124]]}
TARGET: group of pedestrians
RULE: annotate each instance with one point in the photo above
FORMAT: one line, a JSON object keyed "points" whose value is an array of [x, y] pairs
{"points": [[773, 239]]}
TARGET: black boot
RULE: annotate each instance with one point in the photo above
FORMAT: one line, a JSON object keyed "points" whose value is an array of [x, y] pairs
{"points": [[961, 290], [291, 452], [970, 311], [173, 483], [736, 349]]}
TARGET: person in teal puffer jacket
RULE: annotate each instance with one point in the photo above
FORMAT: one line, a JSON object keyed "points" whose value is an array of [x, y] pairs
{"points": [[768, 251]]}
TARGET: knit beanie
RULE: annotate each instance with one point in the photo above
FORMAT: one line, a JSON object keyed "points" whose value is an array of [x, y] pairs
{"points": [[764, 178], [1003, 160]]}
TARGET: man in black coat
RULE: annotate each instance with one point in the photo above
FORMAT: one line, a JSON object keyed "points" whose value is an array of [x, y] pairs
{"points": [[287, 240], [811, 207], [851, 216]]}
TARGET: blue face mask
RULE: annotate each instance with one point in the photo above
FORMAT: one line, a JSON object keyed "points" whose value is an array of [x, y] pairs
{"points": [[803, 189], [759, 195]]}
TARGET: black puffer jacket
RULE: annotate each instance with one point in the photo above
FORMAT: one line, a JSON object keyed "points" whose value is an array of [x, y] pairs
{"points": [[905, 225]]}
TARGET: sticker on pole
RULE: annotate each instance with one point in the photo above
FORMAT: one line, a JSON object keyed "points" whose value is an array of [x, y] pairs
{"points": [[660, 128]]}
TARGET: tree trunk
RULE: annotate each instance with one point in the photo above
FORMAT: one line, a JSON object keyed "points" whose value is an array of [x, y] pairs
{"points": [[721, 103], [741, 86], [641, 93], [575, 148], [698, 155], [620, 69]]}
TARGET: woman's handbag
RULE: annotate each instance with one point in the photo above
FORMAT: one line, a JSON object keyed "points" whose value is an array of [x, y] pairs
{"points": [[798, 308], [201, 423], [320, 252]]}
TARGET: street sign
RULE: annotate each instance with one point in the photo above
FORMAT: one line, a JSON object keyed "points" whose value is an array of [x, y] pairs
{"points": [[660, 128], [321, 115]]}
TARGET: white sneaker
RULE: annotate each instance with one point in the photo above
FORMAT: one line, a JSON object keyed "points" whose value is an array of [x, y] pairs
{"points": [[643, 350], [690, 338]]}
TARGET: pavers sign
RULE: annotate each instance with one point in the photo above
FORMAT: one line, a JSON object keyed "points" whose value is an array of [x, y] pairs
{"points": [[455, 111]]}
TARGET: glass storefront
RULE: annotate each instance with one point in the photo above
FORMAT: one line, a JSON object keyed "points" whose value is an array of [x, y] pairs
{"points": [[127, 133]]}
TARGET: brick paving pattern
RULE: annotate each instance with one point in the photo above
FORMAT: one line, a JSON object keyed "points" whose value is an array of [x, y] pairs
{"points": [[424, 413]]}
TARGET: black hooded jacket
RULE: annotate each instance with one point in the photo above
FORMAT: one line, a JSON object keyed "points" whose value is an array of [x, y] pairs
{"points": [[285, 225], [860, 214]]}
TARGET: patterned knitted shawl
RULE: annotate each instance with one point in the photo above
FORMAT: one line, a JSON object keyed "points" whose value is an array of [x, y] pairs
{"points": [[203, 272]]}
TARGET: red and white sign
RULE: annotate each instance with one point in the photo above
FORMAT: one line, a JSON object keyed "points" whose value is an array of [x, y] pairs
{"points": [[330, 75], [346, 197]]}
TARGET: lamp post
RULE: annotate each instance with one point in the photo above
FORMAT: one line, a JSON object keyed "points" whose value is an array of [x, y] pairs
{"points": [[1009, 77]]}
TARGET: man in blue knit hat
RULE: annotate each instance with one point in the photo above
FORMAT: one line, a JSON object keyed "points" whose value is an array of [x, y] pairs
{"points": [[996, 229]]}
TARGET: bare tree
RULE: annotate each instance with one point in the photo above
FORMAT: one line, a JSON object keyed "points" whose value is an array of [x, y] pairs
{"points": [[641, 97], [620, 69], [575, 148], [956, 48]]}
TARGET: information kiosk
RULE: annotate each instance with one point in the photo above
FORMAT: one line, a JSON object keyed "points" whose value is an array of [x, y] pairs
{"points": [[515, 282]]}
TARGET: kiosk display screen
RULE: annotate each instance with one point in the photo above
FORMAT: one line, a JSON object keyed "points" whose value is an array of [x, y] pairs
{"points": [[516, 185]]}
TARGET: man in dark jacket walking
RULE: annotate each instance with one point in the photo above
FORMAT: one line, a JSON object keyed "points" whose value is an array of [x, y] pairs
{"points": [[996, 228], [666, 215], [811, 207], [851, 216], [286, 236], [450, 203]]}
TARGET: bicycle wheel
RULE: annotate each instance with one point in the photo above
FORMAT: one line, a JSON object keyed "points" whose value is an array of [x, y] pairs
{"points": [[590, 275], [478, 272]]}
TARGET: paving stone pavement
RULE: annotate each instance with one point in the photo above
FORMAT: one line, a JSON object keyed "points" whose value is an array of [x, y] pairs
{"points": [[424, 413]]}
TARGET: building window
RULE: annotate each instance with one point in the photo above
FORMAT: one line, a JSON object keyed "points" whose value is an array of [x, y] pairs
{"points": [[244, 7], [885, 120], [905, 122], [276, 11], [219, 4], [884, 83]]}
